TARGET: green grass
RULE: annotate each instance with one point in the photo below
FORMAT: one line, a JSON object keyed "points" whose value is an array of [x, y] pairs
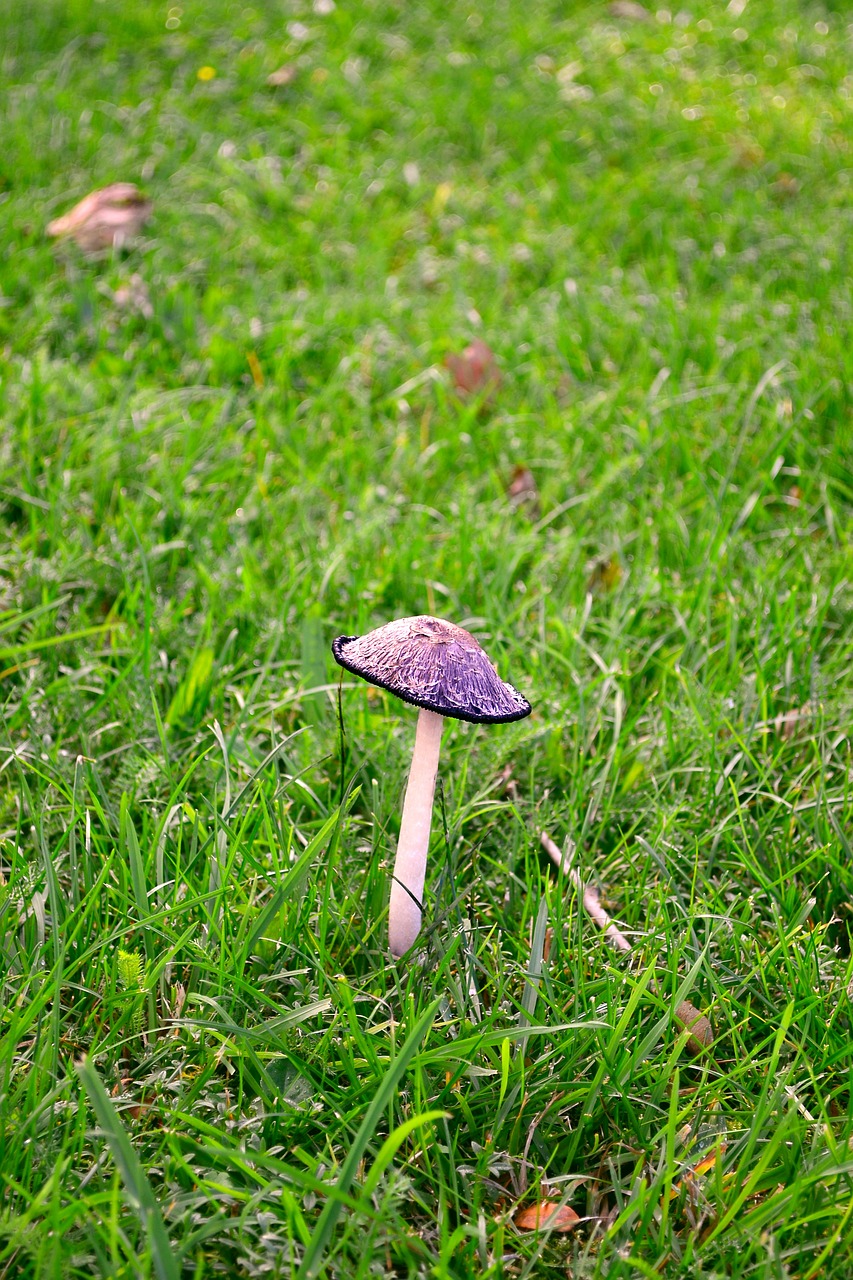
{"points": [[650, 224]]}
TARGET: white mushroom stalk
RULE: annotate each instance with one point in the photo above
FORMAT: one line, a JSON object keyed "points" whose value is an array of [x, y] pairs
{"points": [[407, 886], [441, 669]]}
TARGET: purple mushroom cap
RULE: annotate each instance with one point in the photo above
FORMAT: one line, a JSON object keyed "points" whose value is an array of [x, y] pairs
{"points": [[434, 664]]}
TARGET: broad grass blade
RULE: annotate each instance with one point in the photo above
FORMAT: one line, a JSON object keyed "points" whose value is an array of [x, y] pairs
{"points": [[313, 1258], [137, 1189]]}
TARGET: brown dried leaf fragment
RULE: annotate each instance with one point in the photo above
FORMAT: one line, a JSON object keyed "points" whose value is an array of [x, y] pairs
{"points": [[283, 76], [475, 371], [104, 219], [522, 491], [785, 186], [548, 1215], [255, 368], [747, 153], [701, 1035], [787, 723]]}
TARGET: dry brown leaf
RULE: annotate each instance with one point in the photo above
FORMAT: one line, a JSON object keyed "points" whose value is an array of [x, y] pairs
{"points": [[475, 371], [787, 723], [747, 153], [693, 1020], [104, 219], [629, 9], [283, 76], [785, 186], [548, 1215], [522, 491]]}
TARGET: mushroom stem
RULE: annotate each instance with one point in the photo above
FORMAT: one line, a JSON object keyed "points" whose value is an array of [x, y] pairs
{"points": [[407, 887]]}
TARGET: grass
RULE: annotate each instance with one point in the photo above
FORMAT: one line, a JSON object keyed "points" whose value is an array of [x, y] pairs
{"points": [[649, 223]]}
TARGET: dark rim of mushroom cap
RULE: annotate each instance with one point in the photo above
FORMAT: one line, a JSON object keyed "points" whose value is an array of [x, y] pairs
{"points": [[433, 664]]}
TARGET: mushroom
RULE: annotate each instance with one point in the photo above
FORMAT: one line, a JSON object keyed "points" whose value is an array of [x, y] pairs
{"points": [[441, 669]]}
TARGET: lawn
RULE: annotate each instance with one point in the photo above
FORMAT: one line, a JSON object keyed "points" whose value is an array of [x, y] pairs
{"points": [[236, 438]]}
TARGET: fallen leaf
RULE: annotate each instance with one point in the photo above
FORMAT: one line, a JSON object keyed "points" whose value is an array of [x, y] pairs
{"points": [[785, 186], [284, 76], [701, 1035], [787, 723], [630, 10], [522, 491], [104, 219], [548, 1215], [747, 153], [475, 371]]}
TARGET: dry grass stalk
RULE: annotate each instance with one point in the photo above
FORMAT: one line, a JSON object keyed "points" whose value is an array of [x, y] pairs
{"points": [[688, 1017]]}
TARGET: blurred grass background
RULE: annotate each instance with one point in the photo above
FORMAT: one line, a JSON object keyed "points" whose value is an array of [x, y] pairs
{"points": [[235, 439]]}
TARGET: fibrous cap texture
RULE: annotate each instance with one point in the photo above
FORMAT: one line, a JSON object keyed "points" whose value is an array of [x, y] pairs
{"points": [[434, 664]]}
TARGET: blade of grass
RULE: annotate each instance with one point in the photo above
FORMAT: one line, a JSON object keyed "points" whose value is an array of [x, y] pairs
{"points": [[138, 1190], [313, 1257]]}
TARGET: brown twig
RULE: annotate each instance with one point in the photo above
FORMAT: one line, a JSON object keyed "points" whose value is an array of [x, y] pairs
{"points": [[690, 1018], [589, 896]]}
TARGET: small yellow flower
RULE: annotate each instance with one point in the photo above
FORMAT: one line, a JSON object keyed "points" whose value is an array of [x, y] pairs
{"points": [[443, 192], [206, 73]]}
